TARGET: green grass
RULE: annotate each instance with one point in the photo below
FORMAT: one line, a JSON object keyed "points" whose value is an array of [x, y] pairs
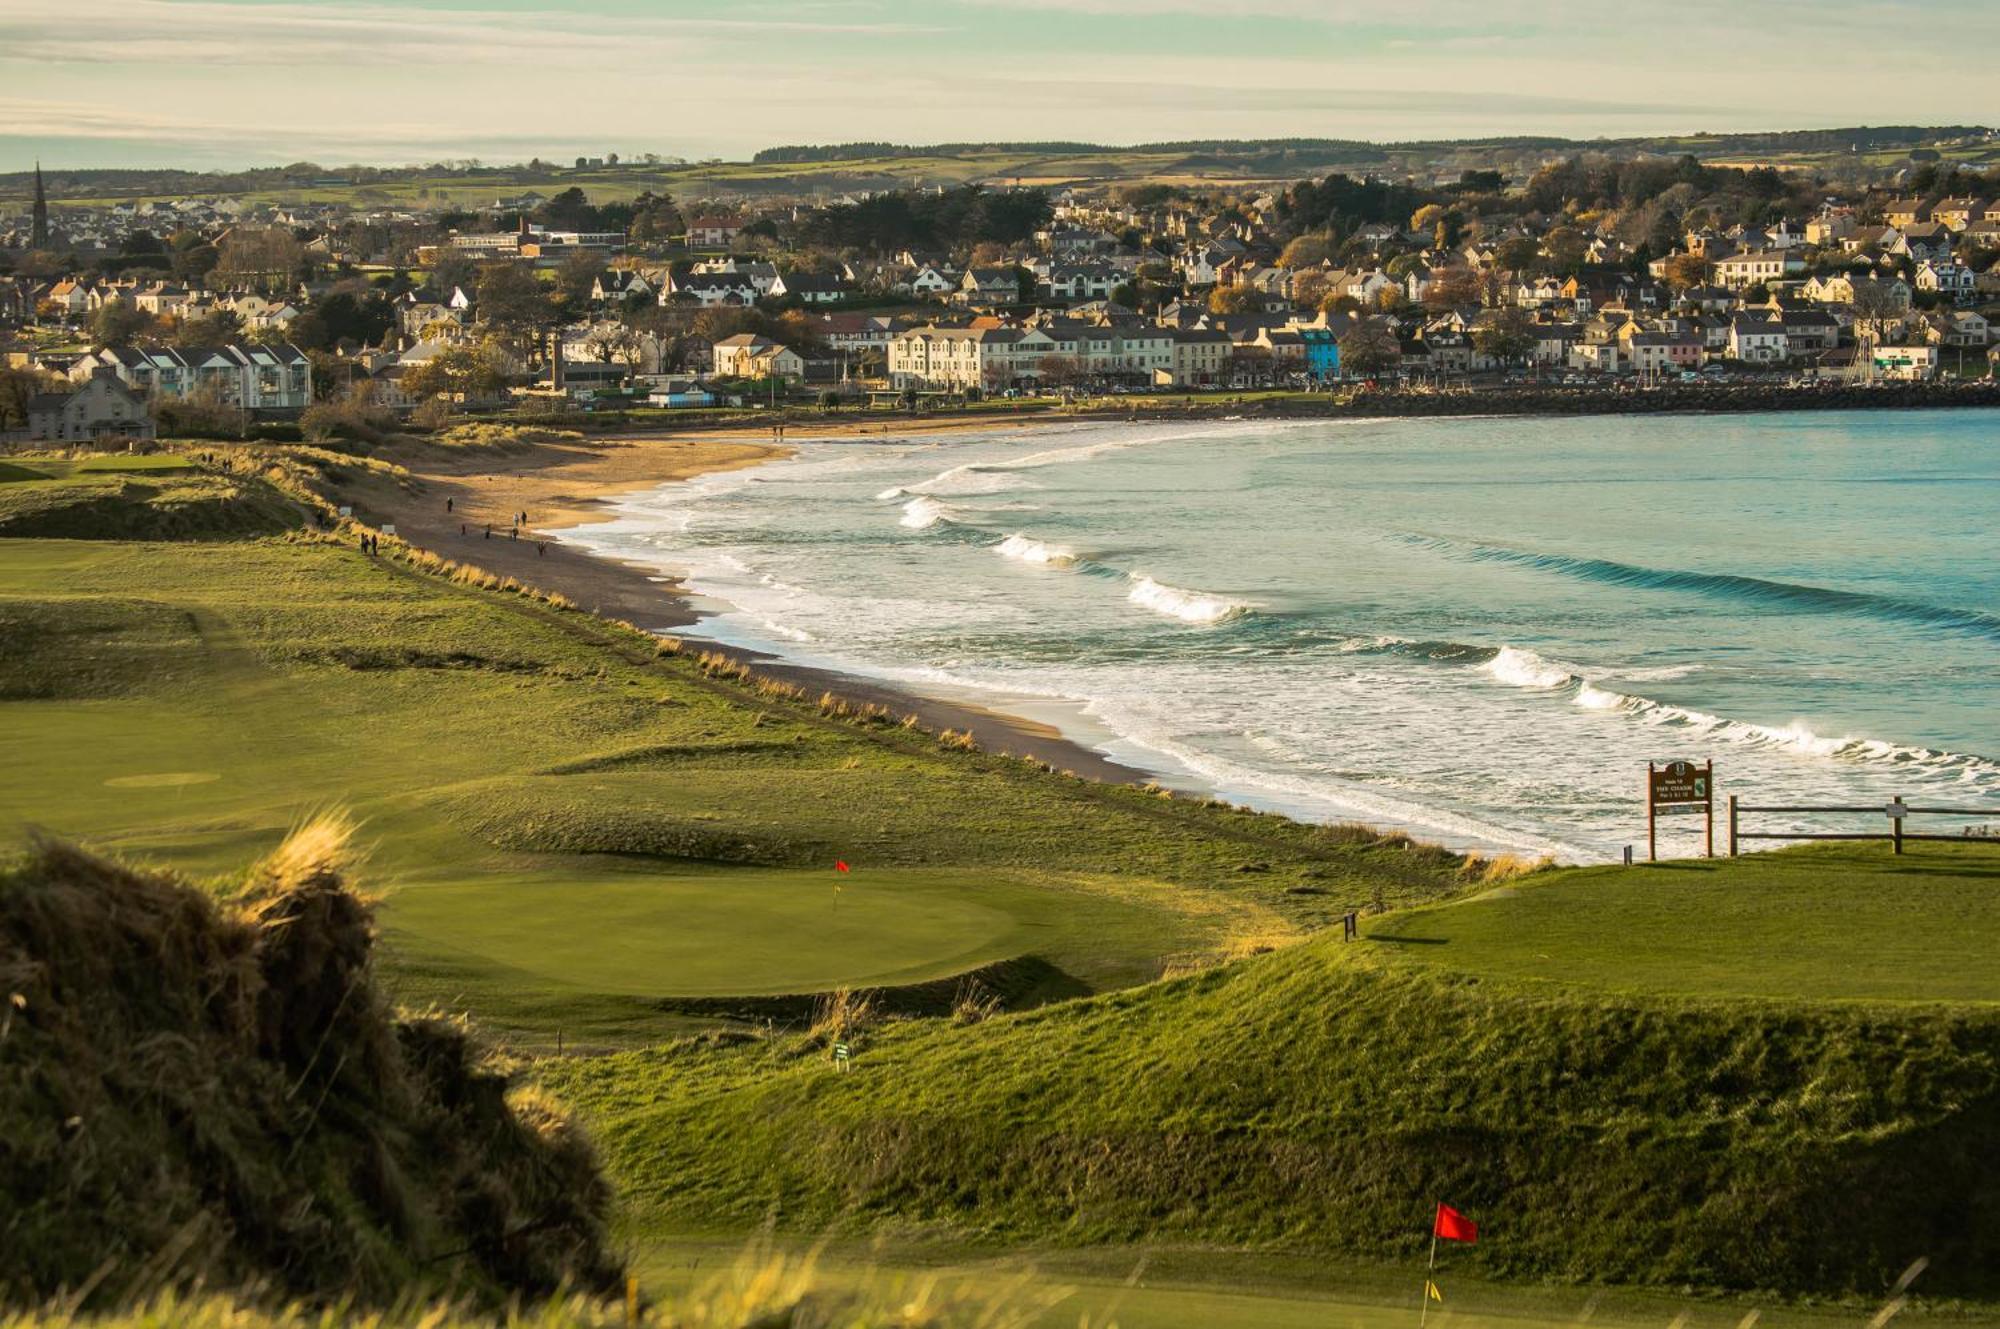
{"points": [[1316, 1100], [1198, 1288], [576, 837], [160, 496], [1820, 924]]}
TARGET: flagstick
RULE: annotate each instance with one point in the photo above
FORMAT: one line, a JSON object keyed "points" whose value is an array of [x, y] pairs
{"points": [[1426, 1314]]}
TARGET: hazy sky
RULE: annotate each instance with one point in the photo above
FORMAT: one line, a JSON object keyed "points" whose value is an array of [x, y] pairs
{"points": [[233, 82]]}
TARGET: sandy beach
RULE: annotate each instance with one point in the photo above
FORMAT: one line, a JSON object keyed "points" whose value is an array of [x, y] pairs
{"points": [[461, 503]]}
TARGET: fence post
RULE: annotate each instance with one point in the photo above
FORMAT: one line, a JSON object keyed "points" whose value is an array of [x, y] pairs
{"points": [[1732, 825], [1897, 824]]}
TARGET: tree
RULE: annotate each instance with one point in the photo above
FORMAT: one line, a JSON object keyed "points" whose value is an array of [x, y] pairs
{"points": [[1235, 300], [1452, 288], [510, 298], [452, 271], [1508, 336], [217, 327], [1427, 217], [1686, 270], [1518, 255], [266, 255], [1307, 251], [1311, 287], [460, 373], [575, 278], [1369, 348], [16, 387], [614, 343], [117, 323]]}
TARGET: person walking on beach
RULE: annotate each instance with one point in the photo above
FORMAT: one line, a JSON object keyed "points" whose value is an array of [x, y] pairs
{"points": [[447, 505]]}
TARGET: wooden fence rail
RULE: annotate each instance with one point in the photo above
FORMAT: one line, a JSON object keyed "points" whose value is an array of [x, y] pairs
{"points": [[1897, 812]]}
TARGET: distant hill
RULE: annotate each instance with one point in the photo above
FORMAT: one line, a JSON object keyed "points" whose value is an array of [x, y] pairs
{"points": [[867, 165]]}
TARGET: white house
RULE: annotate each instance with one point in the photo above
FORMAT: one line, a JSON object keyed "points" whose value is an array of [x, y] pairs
{"points": [[1757, 340]]}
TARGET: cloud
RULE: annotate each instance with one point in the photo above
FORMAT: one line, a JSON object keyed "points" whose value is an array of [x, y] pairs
{"points": [[168, 32]]}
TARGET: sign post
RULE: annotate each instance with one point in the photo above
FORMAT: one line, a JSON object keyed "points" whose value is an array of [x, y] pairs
{"points": [[1678, 788]]}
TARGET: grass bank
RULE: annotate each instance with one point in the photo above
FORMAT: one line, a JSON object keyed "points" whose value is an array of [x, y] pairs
{"points": [[1319, 1098]]}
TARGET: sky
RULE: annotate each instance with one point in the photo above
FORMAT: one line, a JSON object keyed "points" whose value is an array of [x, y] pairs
{"points": [[221, 83]]}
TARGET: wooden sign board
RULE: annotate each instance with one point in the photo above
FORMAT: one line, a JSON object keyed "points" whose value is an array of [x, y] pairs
{"points": [[1679, 789]]}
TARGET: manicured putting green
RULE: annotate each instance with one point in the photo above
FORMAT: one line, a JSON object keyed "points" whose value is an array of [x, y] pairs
{"points": [[738, 931], [1818, 923]]}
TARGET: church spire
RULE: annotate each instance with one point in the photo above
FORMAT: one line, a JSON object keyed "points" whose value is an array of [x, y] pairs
{"points": [[38, 233]]}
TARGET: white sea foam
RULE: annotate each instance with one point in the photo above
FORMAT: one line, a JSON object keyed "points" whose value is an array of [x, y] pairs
{"points": [[1026, 549], [920, 513], [890, 494], [1187, 606], [1525, 669]]}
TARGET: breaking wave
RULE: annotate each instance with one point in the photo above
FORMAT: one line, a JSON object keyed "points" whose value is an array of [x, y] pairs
{"points": [[1525, 669], [1187, 606], [1026, 549], [922, 513], [1755, 590]]}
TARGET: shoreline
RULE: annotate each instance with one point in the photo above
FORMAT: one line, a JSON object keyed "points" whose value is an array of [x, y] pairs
{"points": [[1344, 404], [570, 483]]}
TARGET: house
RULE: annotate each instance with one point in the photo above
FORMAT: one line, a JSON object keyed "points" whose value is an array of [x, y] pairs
{"points": [[1810, 330], [933, 282], [762, 276], [1201, 357], [1925, 240], [254, 376], [749, 355], [809, 288], [1909, 363], [1657, 353], [1756, 267], [1830, 227], [1958, 327], [987, 287], [1906, 211], [1088, 281], [960, 358], [1951, 280], [709, 290], [619, 285], [1757, 339], [101, 407], [1955, 214], [1595, 357], [1866, 291], [1552, 342], [713, 232]]}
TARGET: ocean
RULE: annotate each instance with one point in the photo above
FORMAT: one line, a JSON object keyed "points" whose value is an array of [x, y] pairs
{"points": [[1477, 630]]}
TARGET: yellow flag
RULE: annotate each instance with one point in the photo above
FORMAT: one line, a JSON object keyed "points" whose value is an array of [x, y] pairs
{"points": [[1431, 1291]]}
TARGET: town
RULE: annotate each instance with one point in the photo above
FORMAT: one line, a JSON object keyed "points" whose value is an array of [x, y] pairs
{"points": [[212, 315]]}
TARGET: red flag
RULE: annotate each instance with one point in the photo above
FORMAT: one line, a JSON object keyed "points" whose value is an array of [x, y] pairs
{"points": [[1454, 1226], [840, 865]]}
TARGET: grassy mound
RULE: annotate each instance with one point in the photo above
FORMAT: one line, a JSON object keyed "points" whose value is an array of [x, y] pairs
{"points": [[9, 473], [1319, 1099], [189, 1088], [166, 504]]}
